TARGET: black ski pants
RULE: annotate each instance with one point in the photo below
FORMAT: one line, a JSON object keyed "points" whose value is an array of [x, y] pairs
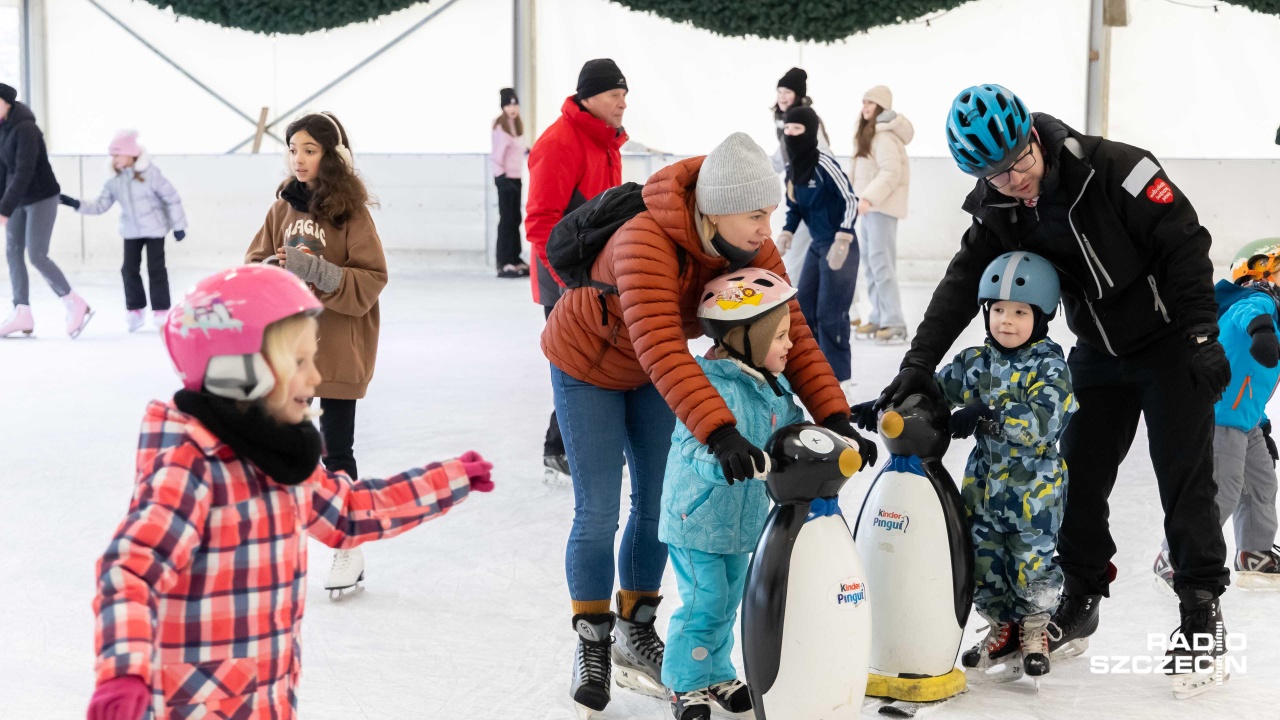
{"points": [[1113, 391]]}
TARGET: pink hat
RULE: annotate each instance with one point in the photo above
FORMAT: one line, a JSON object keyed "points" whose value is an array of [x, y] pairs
{"points": [[125, 143]]}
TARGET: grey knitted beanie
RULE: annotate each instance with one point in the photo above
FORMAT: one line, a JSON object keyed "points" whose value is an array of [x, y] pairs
{"points": [[737, 177]]}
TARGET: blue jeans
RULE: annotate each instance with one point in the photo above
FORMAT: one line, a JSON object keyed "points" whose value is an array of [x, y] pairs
{"points": [[825, 296], [700, 635], [598, 426]]}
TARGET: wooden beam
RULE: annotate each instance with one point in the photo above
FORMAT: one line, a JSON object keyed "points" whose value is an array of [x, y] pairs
{"points": [[262, 129]]}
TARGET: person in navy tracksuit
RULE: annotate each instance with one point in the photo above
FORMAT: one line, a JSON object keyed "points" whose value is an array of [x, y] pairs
{"points": [[819, 193]]}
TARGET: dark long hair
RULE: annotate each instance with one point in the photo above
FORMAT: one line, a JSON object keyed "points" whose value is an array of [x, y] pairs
{"points": [[337, 193], [866, 131], [514, 127]]}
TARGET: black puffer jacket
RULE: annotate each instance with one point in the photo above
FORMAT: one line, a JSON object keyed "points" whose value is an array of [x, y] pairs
{"points": [[24, 162], [1131, 254]]}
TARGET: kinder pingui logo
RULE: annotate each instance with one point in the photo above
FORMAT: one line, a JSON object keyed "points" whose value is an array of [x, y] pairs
{"points": [[891, 520], [206, 313], [849, 593]]}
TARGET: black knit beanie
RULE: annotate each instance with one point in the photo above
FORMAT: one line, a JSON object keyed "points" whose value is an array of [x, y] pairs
{"points": [[796, 80], [599, 76], [509, 97], [8, 93]]}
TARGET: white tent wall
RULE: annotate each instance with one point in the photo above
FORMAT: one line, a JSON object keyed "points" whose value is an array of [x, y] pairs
{"points": [[436, 91]]}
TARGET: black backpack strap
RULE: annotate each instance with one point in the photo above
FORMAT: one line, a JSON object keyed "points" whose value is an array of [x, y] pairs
{"points": [[604, 290]]}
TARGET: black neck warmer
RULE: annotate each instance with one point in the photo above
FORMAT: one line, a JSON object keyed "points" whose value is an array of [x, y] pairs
{"points": [[288, 454]]}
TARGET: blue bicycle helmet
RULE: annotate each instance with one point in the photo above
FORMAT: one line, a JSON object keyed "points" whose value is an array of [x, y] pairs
{"points": [[987, 129], [1021, 277]]}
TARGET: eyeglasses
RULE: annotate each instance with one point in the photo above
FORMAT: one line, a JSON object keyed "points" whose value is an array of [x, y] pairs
{"points": [[1024, 163]]}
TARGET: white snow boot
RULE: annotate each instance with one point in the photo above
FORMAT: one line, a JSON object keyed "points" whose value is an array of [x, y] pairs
{"points": [[19, 321], [345, 574], [133, 320], [78, 314]]}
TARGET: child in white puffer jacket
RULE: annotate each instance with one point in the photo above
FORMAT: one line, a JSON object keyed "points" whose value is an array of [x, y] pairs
{"points": [[149, 209]]}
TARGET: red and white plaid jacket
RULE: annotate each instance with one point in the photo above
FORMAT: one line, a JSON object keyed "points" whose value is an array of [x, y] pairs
{"points": [[201, 592]]}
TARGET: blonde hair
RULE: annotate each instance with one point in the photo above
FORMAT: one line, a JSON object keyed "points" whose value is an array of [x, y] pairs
{"points": [[279, 345]]}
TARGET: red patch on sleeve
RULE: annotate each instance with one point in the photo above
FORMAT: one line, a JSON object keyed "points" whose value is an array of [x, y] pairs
{"points": [[1160, 192]]}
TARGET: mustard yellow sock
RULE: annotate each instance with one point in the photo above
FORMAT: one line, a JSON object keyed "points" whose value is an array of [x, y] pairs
{"points": [[590, 607], [627, 600]]}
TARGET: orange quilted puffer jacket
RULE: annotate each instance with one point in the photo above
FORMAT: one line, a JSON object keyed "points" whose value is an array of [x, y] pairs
{"points": [[644, 336]]}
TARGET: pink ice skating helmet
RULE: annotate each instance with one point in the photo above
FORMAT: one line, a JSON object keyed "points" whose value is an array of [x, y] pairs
{"points": [[739, 297], [215, 334]]}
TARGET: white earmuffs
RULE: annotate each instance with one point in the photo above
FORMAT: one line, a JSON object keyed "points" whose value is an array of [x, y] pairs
{"points": [[341, 149]]}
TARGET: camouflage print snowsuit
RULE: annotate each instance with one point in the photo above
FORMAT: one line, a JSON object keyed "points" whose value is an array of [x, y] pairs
{"points": [[1015, 484]]}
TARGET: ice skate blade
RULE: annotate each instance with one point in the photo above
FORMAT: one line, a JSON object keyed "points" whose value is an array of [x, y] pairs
{"points": [[1071, 649], [23, 335], [584, 712], [1189, 685], [1255, 581], [340, 594], [637, 681], [1162, 587], [556, 479], [995, 674], [904, 709], [87, 317]]}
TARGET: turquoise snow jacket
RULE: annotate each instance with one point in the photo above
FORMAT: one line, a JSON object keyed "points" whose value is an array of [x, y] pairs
{"points": [[1244, 402]]}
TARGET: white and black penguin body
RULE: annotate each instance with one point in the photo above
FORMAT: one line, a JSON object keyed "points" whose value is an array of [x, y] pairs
{"points": [[806, 617], [915, 545]]}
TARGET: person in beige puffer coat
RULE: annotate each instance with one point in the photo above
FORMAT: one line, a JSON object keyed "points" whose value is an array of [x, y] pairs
{"points": [[881, 176]]}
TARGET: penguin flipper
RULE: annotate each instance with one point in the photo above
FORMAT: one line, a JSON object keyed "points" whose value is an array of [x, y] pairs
{"points": [[765, 600], [958, 537]]}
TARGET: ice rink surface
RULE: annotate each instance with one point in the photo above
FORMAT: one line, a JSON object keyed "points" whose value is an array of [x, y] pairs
{"points": [[467, 616]]}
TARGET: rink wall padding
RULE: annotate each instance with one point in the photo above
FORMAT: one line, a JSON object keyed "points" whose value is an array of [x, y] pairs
{"points": [[441, 210]]}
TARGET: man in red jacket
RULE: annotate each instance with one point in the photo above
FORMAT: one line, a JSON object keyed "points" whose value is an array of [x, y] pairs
{"points": [[577, 158]]}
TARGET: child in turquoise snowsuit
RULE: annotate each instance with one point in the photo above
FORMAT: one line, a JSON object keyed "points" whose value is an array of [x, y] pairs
{"points": [[710, 526], [1014, 395]]}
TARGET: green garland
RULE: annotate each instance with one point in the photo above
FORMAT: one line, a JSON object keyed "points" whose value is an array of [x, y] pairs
{"points": [[287, 17], [813, 20]]}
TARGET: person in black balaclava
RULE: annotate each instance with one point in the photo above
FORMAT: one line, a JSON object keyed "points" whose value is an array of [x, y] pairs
{"points": [[819, 193]]}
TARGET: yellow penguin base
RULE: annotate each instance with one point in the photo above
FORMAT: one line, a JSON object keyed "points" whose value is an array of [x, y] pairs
{"points": [[929, 689]]}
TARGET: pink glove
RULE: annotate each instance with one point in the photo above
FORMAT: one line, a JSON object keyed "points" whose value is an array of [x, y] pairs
{"points": [[477, 470], [120, 698]]}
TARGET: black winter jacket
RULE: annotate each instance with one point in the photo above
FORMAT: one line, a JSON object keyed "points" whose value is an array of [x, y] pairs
{"points": [[1132, 257], [25, 173]]}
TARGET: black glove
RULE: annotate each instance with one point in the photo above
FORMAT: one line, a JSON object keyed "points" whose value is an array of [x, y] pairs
{"points": [[1271, 444], [179, 235], [864, 416], [739, 459], [909, 381], [1264, 348], [69, 201], [973, 420], [1210, 371], [840, 425]]}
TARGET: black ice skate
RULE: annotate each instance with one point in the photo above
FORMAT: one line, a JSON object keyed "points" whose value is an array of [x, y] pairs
{"points": [[637, 649], [1035, 646], [555, 471], [997, 656], [694, 705], [1195, 647], [1072, 623], [733, 696], [1258, 570], [590, 688]]}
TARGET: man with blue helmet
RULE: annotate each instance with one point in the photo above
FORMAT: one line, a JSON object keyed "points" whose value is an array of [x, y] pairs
{"points": [[1137, 289]]}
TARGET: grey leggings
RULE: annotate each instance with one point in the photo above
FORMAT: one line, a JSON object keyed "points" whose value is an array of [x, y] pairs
{"points": [[30, 228]]}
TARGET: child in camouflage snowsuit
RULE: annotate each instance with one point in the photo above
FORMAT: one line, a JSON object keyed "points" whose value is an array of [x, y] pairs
{"points": [[1014, 395]]}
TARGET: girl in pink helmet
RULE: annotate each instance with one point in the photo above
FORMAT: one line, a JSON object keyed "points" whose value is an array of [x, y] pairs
{"points": [[200, 593]]}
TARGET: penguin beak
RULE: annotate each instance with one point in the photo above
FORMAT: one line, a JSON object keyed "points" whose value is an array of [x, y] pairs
{"points": [[850, 462], [891, 424]]}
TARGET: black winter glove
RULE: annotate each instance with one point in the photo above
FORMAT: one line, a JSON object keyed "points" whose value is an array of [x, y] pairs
{"points": [[1210, 371], [840, 425], [1271, 444], [179, 235], [909, 381], [739, 459], [864, 415], [69, 201], [973, 420], [1264, 348]]}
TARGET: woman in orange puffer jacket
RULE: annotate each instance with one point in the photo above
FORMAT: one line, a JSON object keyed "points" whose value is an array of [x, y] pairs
{"points": [[617, 377]]}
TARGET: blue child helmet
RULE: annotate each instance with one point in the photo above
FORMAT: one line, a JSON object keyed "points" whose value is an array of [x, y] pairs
{"points": [[1021, 277], [988, 127]]}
